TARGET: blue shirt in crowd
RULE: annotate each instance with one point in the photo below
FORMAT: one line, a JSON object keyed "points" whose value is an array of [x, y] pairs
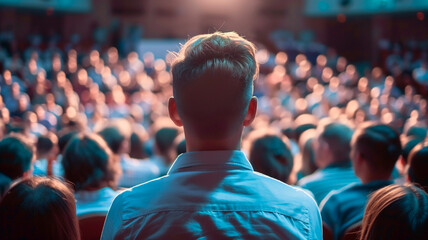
{"points": [[345, 208], [333, 177]]}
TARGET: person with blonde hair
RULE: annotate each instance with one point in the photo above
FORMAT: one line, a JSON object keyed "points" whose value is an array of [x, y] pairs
{"points": [[212, 191], [396, 212]]}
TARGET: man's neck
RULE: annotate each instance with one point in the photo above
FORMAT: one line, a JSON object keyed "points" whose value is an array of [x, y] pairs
{"points": [[378, 177]]}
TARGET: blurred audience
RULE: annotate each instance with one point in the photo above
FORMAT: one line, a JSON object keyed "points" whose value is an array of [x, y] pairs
{"points": [[51, 90], [134, 171]]}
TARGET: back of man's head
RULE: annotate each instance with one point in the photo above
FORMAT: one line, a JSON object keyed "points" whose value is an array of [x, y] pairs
{"points": [[113, 137], [271, 156], [164, 139], [213, 83], [338, 137], [379, 145], [45, 144], [418, 165], [16, 154]]}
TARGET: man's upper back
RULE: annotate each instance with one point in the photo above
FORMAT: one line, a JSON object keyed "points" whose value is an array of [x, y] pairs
{"points": [[215, 195], [343, 208]]}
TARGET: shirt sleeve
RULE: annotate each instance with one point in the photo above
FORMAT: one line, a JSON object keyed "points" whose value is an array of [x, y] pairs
{"points": [[113, 223]]}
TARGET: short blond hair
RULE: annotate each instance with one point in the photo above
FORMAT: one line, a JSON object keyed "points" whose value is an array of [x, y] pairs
{"points": [[213, 81]]}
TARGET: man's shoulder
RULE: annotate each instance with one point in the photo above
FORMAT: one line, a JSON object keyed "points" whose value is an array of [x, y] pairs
{"points": [[336, 197], [284, 195], [309, 179]]}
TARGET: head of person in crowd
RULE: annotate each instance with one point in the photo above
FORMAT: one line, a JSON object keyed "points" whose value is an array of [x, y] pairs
{"points": [[137, 147], [307, 152], [88, 163], [304, 122], [396, 212], [47, 146], [16, 156], [39, 208], [180, 146], [213, 90], [271, 156], [64, 138], [164, 143], [117, 141], [418, 165], [375, 150], [332, 145], [408, 146]]}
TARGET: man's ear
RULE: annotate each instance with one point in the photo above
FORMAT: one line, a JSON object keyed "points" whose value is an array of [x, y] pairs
{"points": [[173, 114], [251, 113]]}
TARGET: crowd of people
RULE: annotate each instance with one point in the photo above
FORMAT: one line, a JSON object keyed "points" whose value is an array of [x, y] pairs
{"points": [[79, 130]]}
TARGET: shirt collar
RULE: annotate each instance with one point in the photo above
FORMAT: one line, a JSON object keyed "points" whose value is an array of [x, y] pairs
{"points": [[210, 160]]}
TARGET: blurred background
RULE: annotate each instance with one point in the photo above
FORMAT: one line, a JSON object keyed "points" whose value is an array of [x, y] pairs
{"points": [[363, 31]]}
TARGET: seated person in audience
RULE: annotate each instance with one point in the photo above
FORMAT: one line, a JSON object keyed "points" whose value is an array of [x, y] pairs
{"points": [[269, 155], [134, 171], [136, 148], [39, 208], [46, 153], [65, 137], [402, 163], [16, 157], [332, 148], [375, 149], [89, 165], [211, 191], [307, 154], [164, 152], [396, 212], [418, 165]]}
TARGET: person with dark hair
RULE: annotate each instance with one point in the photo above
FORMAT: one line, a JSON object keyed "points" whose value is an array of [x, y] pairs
{"points": [[16, 157], [332, 148], [46, 154], [396, 212], [39, 208], [271, 156], [212, 191], [307, 154], [180, 147], [375, 150], [136, 148], [134, 171], [418, 165], [164, 152], [64, 137], [89, 165]]}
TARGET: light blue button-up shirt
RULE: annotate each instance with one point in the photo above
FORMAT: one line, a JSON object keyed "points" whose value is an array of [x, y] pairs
{"points": [[213, 195]]}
